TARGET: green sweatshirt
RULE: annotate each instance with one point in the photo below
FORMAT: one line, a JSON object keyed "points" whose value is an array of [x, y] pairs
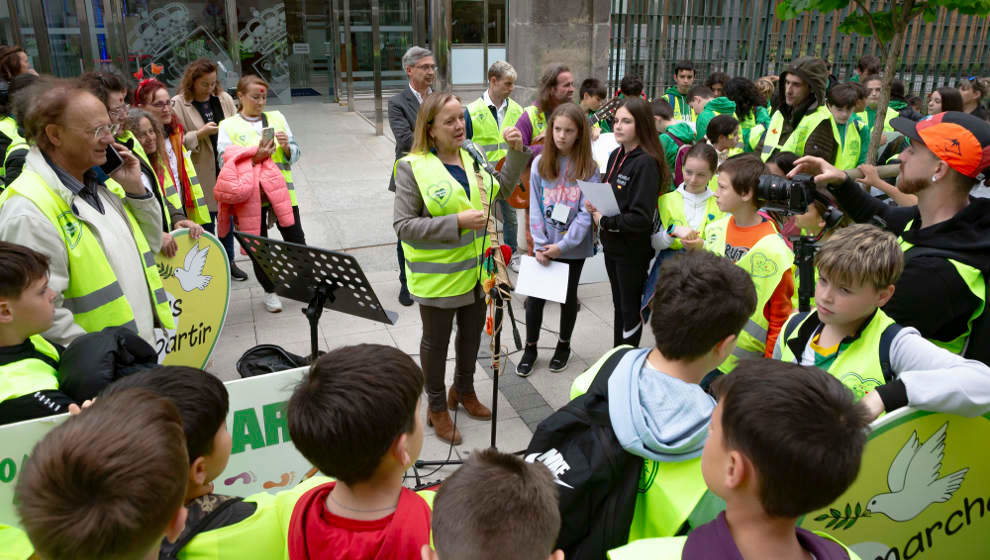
{"points": [[717, 106], [685, 134], [678, 100]]}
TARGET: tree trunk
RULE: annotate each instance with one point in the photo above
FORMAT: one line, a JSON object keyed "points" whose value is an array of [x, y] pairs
{"points": [[889, 64]]}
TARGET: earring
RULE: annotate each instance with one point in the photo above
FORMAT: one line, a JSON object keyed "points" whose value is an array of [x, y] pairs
{"points": [[934, 179]]}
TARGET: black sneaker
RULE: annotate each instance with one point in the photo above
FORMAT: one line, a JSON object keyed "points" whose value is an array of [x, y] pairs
{"points": [[525, 365], [560, 356], [404, 297], [237, 274]]}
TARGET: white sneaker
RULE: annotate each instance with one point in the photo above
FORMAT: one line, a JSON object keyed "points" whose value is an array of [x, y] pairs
{"points": [[272, 303], [514, 263]]}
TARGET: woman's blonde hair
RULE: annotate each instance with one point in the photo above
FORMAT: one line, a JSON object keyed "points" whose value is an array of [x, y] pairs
{"points": [[196, 70], [581, 163], [431, 107]]}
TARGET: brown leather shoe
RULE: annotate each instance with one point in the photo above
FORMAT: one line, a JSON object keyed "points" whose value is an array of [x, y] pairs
{"points": [[470, 403], [443, 426]]}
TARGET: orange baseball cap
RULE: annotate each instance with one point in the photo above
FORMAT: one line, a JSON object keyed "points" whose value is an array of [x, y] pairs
{"points": [[959, 139]]}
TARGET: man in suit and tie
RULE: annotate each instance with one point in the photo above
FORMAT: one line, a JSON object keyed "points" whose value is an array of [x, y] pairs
{"points": [[402, 109]]}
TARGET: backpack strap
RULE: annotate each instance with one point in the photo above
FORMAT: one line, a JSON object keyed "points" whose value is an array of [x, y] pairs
{"points": [[793, 322], [599, 386], [886, 339], [191, 532], [676, 140]]}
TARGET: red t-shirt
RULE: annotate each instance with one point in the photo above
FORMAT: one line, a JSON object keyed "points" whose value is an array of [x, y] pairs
{"points": [[315, 533], [738, 242]]}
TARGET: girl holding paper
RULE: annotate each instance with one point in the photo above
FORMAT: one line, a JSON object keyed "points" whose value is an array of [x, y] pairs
{"points": [[635, 170], [559, 223]]}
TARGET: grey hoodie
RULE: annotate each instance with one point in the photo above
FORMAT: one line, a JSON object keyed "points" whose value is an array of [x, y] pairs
{"points": [[656, 416]]}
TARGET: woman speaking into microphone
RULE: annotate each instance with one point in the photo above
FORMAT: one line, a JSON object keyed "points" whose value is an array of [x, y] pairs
{"points": [[441, 218]]}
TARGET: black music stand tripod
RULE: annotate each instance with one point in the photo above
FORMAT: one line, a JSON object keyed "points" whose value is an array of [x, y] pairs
{"points": [[317, 277]]}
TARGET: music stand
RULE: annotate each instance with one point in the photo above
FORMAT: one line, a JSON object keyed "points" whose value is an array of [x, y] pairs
{"points": [[317, 277]]}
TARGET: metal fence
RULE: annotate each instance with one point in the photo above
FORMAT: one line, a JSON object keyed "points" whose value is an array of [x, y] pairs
{"points": [[745, 38]]}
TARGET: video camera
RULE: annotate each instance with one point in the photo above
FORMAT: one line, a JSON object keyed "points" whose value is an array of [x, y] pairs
{"points": [[791, 196]]}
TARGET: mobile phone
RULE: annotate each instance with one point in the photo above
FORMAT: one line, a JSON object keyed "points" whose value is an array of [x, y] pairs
{"points": [[267, 135], [114, 161]]}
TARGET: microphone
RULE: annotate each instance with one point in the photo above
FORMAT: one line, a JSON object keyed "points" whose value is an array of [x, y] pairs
{"points": [[477, 156]]}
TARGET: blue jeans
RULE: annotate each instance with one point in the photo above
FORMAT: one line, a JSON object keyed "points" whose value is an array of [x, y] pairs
{"points": [[228, 241], [509, 225]]}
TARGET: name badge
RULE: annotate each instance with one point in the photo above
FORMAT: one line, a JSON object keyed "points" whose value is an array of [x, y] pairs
{"points": [[560, 213]]}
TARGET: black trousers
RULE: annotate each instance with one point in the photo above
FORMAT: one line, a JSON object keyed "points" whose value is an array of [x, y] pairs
{"points": [[568, 310], [292, 234], [437, 323], [627, 277]]}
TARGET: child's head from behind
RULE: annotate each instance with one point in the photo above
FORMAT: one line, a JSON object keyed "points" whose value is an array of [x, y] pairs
{"points": [[27, 304], [702, 301], [789, 436], [781, 163], [738, 179], [203, 404], [663, 113], [108, 482], [723, 132], [354, 414], [699, 167], [842, 99], [698, 97], [857, 269], [496, 506]]}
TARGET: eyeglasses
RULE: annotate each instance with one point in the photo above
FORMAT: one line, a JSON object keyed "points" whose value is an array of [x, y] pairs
{"points": [[100, 131], [162, 104], [426, 67], [119, 111]]}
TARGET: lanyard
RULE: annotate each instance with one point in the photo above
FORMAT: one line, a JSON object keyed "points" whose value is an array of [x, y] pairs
{"points": [[616, 167]]}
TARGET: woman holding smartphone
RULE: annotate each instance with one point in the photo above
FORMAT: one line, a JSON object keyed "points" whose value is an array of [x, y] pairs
{"points": [[559, 223], [253, 126], [635, 170]]}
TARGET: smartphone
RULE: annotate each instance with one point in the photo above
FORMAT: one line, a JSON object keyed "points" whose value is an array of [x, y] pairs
{"points": [[114, 161], [267, 135]]}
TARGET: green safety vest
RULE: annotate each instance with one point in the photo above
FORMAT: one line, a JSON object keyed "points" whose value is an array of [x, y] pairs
{"points": [[977, 285], [766, 262], [682, 111], [243, 133], [260, 535], [673, 547], [537, 118], [795, 141], [751, 133], [26, 376], [445, 268], [8, 127], [848, 152], [668, 492], [14, 544], [198, 211], [887, 127], [857, 365], [485, 129], [94, 297], [671, 207]]}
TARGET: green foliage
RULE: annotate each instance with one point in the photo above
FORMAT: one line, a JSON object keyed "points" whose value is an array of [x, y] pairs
{"points": [[886, 22], [838, 520]]}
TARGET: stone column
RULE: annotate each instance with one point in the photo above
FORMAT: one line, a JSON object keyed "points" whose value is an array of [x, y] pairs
{"points": [[544, 32]]}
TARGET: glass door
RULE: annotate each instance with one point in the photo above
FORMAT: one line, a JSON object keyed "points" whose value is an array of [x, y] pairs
{"points": [[265, 45]]}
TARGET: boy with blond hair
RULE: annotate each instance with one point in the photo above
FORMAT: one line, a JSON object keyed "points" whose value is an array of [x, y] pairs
{"points": [[354, 418], [885, 364], [108, 483], [496, 506], [752, 242], [784, 441]]}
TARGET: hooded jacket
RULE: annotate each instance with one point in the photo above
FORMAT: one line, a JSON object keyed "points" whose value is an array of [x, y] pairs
{"points": [[656, 416], [635, 180], [239, 188], [717, 106], [683, 132], [674, 97], [930, 295], [814, 72]]}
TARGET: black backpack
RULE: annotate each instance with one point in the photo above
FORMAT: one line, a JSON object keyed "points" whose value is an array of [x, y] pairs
{"points": [[596, 478]]}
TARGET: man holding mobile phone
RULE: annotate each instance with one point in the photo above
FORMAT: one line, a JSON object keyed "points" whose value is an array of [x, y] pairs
{"points": [[100, 236]]}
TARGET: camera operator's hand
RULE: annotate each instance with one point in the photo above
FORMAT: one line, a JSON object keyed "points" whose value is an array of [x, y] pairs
{"points": [[870, 176], [824, 172]]}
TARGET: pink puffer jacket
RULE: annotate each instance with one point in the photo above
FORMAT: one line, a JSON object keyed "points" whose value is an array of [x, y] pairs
{"points": [[238, 192]]}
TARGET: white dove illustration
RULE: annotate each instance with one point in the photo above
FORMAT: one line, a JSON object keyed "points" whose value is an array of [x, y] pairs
{"points": [[914, 480], [191, 275]]}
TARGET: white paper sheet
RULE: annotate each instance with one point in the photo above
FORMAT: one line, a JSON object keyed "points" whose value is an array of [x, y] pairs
{"points": [[544, 282], [601, 196], [602, 148]]}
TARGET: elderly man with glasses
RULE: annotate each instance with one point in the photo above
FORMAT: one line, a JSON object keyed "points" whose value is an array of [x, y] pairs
{"points": [[100, 235]]}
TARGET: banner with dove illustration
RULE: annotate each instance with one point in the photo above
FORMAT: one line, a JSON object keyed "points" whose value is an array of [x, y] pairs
{"points": [[197, 283], [923, 491]]}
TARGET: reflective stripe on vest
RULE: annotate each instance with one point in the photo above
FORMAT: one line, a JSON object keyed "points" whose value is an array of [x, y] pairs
{"points": [[977, 286], [858, 365], [847, 156], [8, 127], [242, 133], [773, 135], [93, 295], [28, 375], [436, 268], [766, 263], [537, 119], [486, 131], [198, 211], [671, 208]]}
